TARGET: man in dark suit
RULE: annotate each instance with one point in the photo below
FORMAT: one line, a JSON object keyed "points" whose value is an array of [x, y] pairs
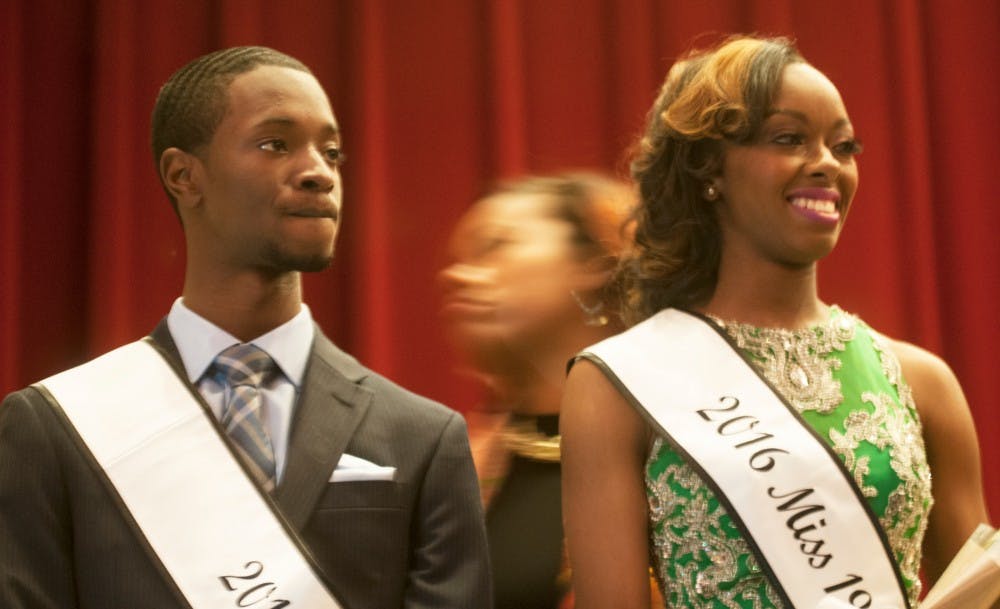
{"points": [[377, 483]]}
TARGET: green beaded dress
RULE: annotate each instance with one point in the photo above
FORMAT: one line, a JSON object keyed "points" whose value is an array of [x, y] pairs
{"points": [[846, 384]]}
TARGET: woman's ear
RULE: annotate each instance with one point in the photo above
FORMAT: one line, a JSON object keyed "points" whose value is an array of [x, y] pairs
{"points": [[712, 191], [181, 175], [595, 273]]}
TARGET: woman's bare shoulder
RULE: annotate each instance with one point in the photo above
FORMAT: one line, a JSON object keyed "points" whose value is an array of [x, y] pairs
{"points": [[593, 407], [930, 377]]}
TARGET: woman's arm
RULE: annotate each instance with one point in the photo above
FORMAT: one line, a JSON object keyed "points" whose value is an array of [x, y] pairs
{"points": [[952, 452], [604, 444]]}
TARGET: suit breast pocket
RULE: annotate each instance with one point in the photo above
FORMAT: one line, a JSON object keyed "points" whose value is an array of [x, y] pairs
{"points": [[360, 495]]}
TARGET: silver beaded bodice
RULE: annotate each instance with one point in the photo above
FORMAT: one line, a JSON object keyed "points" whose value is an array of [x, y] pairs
{"points": [[846, 383]]}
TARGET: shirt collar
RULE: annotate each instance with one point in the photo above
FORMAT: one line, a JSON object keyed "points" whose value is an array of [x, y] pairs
{"points": [[199, 341]]}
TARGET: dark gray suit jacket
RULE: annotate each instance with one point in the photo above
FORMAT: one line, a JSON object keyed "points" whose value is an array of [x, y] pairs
{"points": [[415, 542]]}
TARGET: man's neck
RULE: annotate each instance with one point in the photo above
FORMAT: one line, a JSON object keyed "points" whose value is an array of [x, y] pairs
{"points": [[247, 305]]}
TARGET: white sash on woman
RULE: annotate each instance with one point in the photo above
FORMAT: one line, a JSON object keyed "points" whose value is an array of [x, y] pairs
{"points": [[216, 534], [802, 514]]}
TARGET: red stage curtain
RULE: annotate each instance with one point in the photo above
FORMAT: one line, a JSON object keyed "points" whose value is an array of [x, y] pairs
{"points": [[437, 98]]}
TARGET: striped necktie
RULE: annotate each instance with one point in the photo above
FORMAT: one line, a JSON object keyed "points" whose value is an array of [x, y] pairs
{"points": [[242, 368]]}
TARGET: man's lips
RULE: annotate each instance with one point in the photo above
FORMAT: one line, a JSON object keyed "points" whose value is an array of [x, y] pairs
{"points": [[314, 212]]}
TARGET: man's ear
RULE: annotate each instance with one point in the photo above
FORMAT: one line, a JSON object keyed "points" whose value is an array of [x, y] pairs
{"points": [[181, 175]]}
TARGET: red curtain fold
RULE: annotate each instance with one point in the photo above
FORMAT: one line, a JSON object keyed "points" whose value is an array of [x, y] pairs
{"points": [[439, 98], [10, 195]]}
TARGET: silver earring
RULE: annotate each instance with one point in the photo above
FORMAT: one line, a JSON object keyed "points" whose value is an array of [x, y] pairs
{"points": [[592, 313], [711, 192]]}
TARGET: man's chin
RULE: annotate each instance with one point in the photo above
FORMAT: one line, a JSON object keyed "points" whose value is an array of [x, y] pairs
{"points": [[314, 265], [283, 261]]}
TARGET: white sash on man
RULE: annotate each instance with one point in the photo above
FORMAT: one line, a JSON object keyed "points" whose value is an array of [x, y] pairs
{"points": [[799, 508], [216, 534]]}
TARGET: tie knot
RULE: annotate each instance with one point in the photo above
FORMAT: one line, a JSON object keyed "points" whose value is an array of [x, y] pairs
{"points": [[244, 364]]}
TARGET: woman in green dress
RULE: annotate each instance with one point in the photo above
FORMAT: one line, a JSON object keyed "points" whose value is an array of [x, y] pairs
{"points": [[746, 172]]}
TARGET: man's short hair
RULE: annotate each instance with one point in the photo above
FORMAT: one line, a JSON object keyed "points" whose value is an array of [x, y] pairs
{"points": [[192, 102]]}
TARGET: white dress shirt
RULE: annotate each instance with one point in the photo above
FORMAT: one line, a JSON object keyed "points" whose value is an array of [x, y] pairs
{"points": [[199, 341]]}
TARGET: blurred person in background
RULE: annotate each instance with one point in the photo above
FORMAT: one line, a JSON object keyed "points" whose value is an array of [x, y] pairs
{"points": [[529, 286]]}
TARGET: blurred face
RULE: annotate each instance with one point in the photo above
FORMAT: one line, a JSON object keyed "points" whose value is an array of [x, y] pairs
{"points": [[514, 267], [271, 191], [786, 194]]}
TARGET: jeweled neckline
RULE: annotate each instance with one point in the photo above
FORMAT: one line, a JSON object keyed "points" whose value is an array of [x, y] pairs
{"points": [[837, 319]]}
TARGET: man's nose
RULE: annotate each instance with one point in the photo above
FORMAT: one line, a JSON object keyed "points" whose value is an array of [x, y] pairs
{"points": [[317, 173]]}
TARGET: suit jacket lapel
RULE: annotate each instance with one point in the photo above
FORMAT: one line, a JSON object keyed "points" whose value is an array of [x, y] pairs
{"points": [[161, 336], [330, 408]]}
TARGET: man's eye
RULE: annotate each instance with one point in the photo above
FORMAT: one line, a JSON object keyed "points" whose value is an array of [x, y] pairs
{"points": [[274, 146], [336, 156]]}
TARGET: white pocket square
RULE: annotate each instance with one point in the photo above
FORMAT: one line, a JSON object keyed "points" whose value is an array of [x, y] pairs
{"points": [[356, 469]]}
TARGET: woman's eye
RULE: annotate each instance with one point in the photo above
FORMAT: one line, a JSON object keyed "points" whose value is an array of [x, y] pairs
{"points": [[274, 146], [491, 244], [789, 139], [848, 147]]}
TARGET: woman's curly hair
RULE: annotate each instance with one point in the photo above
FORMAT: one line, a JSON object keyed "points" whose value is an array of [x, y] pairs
{"points": [[708, 98]]}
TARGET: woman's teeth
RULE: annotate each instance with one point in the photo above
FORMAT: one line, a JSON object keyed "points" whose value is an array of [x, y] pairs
{"points": [[818, 205]]}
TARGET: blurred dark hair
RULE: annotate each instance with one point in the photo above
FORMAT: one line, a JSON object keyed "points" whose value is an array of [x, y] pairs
{"points": [[598, 208]]}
